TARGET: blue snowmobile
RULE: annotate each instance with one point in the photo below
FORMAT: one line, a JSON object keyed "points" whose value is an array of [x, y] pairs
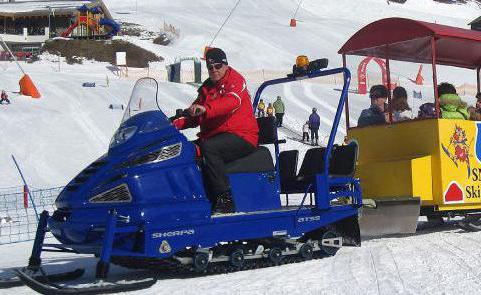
{"points": [[143, 204]]}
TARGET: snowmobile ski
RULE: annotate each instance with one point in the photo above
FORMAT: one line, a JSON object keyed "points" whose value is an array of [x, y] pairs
{"points": [[44, 287], [53, 278]]}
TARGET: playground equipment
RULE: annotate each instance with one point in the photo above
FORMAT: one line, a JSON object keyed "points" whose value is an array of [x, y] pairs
{"points": [[143, 204], [90, 24], [429, 167]]}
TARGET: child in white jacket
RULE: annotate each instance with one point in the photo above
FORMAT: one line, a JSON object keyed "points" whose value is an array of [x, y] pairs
{"points": [[305, 131]]}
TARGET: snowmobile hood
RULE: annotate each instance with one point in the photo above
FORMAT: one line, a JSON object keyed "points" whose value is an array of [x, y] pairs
{"points": [[125, 160], [142, 130]]}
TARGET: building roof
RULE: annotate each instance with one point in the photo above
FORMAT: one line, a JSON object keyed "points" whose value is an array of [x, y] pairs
{"points": [[39, 8], [410, 40]]}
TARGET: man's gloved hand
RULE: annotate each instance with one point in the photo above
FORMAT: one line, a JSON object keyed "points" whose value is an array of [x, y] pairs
{"points": [[179, 123], [196, 110]]}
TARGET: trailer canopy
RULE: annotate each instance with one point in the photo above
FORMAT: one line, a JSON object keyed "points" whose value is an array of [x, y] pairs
{"points": [[412, 40]]}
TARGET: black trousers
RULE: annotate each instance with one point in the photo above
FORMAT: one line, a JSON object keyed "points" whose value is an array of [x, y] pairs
{"points": [[218, 150], [279, 117], [314, 134], [305, 135]]}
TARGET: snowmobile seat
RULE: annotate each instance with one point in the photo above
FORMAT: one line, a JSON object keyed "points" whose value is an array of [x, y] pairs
{"points": [[287, 166], [343, 160], [311, 165], [267, 130], [342, 163], [258, 161], [252, 180]]}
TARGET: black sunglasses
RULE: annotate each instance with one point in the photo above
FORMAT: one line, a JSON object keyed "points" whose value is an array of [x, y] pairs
{"points": [[217, 66]]}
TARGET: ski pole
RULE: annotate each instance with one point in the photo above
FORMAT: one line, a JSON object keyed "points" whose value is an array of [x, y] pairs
{"points": [[26, 185]]}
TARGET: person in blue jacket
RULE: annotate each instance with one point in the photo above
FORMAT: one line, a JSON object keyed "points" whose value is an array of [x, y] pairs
{"points": [[314, 123], [376, 113]]}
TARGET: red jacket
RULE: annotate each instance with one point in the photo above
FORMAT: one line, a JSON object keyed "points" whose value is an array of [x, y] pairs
{"points": [[228, 109]]}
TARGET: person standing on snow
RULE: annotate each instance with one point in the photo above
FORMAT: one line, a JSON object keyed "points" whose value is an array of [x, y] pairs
{"points": [[270, 110], [228, 128], [279, 109], [261, 108], [4, 97], [305, 131], [314, 123]]}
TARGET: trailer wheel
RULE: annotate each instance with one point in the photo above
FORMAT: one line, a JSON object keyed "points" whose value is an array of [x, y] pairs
{"points": [[200, 262], [275, 255], [306, 251], [237, 258], [330, 243]]}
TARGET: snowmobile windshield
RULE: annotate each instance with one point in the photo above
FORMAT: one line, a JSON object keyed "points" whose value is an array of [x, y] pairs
{"points": [[143, 98]]}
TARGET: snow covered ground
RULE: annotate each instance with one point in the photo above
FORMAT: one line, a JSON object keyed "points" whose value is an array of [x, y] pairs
{"points": [[441, 261], [54, 137]]}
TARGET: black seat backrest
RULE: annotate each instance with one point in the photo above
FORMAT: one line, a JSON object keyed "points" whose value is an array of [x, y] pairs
{"points": [[267, 130], [343, 160], [258, 161], [313, 162], [288, 163]]}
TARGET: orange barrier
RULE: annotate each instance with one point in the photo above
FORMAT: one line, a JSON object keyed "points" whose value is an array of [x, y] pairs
{"points": [[27, 87]]}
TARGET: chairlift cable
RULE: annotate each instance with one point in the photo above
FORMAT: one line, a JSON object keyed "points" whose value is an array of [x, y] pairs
{"points": [[11, 54], [225, 21], [297, 9]]}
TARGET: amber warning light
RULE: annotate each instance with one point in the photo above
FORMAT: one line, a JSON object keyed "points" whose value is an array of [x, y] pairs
{"points": [[304, 67]]}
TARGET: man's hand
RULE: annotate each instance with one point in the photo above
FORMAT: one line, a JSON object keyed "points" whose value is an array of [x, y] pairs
{"points": [[196, 110]]}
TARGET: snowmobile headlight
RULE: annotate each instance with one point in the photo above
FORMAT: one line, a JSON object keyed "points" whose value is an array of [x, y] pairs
{"points": [[163, 154], [122, 135]]}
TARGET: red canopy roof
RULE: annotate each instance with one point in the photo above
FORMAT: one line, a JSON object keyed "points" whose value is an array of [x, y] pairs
{"points": [[410, 40]]}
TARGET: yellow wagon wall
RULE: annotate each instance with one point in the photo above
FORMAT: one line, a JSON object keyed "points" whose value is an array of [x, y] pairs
{"points": [[408, 159]]}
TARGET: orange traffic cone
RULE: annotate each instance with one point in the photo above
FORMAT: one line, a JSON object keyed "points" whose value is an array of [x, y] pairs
{"points": [[27, 87], [293, 22], [419, 77]]}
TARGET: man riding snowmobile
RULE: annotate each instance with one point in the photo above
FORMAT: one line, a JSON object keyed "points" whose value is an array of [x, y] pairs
{"points": [[228, 128]]}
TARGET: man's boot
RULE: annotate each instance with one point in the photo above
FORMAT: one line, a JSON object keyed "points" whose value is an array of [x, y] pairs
{"points": [[224, 204]]}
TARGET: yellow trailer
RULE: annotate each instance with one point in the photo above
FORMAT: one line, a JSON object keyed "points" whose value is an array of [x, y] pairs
{"points": [[431, 163], [430, 167]]}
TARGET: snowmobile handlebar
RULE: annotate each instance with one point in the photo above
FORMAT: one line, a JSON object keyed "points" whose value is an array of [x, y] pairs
{"points": [[179, 113]]}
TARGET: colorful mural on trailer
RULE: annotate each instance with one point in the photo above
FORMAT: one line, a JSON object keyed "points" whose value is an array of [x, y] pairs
{"points": [[463, 156]]}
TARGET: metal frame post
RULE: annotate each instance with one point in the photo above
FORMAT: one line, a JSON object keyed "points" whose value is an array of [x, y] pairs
{"points": [[28, 189], [435, 79], [477, 80], [104, 261], [388, 74], [35, 261], [346, 107]]}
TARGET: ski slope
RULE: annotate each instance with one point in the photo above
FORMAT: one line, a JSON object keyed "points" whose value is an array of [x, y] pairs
{"points": [[53, 138], [442, 261]]}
